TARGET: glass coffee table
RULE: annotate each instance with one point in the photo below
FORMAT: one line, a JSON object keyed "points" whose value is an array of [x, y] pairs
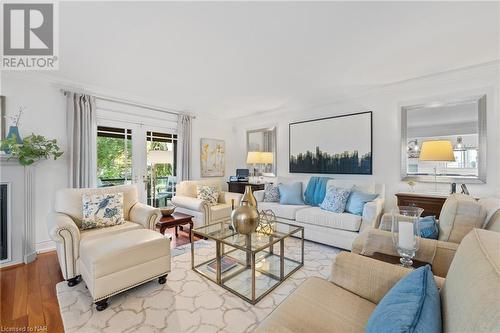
{"points": [[249, 266]]}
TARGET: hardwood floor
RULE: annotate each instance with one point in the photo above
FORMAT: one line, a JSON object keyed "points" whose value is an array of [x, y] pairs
{"points": [[28, 292]]}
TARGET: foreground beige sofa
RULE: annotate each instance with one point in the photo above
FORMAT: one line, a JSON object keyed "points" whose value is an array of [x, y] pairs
{"points": [[470, 294]]}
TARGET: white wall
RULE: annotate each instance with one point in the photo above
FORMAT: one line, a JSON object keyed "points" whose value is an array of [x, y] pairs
{"points": [[206, 127], [385, 102], [45, 115]]}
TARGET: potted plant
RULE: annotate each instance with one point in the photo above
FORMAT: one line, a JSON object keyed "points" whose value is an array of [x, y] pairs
{"points": [[33, 148]]}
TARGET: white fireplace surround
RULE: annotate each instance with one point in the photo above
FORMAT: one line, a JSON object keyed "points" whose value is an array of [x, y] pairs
{"points": [[21, 211]]}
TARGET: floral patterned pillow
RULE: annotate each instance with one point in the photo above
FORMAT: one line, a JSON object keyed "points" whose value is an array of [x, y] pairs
{"points": [[335, 199], [207, 193], [102, 210], [271, 193]]}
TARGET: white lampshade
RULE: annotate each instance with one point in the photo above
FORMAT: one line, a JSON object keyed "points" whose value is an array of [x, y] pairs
{"points": [[437, 151], [266, 158], [161, 156], [253, 157]]}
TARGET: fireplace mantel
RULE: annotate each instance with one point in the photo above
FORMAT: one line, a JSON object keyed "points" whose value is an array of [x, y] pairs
{"points": [[21, 180]]}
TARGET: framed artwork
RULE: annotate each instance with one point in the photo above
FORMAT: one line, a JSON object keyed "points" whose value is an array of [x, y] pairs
{"points": [[212, 157], [333, 145]]}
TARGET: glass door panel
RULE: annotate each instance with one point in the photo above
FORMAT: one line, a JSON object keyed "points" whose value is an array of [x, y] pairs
{"points": [[114, 156], [161, 175]]}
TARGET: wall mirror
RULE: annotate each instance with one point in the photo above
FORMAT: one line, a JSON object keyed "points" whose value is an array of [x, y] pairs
{"points": [[261, 151], [458, 124]]}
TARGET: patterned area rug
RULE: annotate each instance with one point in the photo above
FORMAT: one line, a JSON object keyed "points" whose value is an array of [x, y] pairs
{"points": [[187, 302]]}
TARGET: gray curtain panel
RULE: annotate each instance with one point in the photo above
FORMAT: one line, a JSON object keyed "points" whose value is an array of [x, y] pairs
{"points": [[183, 170], [82, 138]]}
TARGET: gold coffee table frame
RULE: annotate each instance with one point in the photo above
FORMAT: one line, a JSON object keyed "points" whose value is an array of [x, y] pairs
{"points": [[257, 249]]}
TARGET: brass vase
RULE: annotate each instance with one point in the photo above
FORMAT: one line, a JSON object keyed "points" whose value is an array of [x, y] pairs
{"points": [[249, 197], [245, 218]]}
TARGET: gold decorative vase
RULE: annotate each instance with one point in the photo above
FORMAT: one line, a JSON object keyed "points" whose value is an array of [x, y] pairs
{"points": [[249, 197], [245, 218]]}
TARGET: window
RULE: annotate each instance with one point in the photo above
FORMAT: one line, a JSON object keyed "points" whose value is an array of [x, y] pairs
{"points": [[114, 156]]}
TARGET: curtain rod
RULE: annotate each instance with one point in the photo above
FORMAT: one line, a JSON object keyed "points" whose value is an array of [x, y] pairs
{"points": [[133, 103]]}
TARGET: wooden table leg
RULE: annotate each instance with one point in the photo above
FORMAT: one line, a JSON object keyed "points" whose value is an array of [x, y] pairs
{"points": [[162, 230], [176, 231], [190, 231]]}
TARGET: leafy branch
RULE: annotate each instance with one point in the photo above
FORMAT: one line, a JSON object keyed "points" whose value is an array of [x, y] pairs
{"points": [[32, 149]]}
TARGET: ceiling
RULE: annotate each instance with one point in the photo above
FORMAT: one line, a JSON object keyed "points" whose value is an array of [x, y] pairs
{"points": [[235, 58]]}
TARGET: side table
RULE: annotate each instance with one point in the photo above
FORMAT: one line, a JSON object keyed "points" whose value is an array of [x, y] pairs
{"points": [[174, 221]]}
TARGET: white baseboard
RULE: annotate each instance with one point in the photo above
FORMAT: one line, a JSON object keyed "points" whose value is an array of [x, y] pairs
{"points": [[45, 246]]}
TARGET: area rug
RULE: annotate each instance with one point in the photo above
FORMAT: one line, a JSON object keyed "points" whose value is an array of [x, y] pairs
{"points": [[187, 302]]}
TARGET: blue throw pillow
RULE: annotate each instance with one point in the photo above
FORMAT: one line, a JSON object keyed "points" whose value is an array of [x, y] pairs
{"points": [[357, 200], [291, 194], [412, 305], [335, 199], [428, 227]]}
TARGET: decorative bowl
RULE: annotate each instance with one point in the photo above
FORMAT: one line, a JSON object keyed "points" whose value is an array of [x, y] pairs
{"points": [[167, 211]]}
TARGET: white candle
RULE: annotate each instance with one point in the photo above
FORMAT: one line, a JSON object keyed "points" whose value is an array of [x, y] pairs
{"points": [[406, 236]]}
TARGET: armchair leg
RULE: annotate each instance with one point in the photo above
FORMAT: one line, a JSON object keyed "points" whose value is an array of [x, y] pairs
{"points": [[162, 279], [74, 281], [101, 305]]}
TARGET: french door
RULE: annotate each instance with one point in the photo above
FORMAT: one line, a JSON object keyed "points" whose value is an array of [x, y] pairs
{"points": [[122, 158]]}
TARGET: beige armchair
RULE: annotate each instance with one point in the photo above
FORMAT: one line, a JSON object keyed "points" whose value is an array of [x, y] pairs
{"points": [[470, 299], [187, 202], [63, 224]]}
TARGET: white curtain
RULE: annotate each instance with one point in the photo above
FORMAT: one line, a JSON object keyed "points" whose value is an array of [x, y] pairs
{"points": [[185, 124], [82, 137]]}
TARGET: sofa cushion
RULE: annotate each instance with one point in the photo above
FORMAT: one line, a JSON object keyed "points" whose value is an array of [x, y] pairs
{"points": [[317, 216], [69, 201], [357, 200], [102, 210], [291, 194], [94, 233], [335, 199], [412, 305], [106, 255], [470, 295], [283, 211], [319, 306], [220, 211], [188, 187], [271, 193], [207, 193]]}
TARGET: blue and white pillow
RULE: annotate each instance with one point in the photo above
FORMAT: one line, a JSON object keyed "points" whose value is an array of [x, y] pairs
{"points": [[102, 210], [271, 193], [335, 199], [428, 227]]}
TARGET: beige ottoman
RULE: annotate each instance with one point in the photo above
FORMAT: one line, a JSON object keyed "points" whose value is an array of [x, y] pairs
{"points": [[118, 262]]}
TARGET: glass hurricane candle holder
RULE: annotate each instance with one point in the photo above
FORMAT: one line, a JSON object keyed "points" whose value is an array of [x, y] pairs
{"points": [[406, 232]]}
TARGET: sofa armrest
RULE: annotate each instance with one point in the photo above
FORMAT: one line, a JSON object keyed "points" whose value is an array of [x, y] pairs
{"points": [[190, 203], [65, 233], [225, 197], [372, 211], [145, 215], [259, 195], [365, 277], [437, 253]]}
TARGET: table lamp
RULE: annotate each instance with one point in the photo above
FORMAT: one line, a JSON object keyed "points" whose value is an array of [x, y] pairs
{"points": [[254, 157], [437, 151], [156, 157]]}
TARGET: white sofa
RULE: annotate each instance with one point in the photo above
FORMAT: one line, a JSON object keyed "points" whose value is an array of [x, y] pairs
{"points": [[326, 227], [187, 202]]}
